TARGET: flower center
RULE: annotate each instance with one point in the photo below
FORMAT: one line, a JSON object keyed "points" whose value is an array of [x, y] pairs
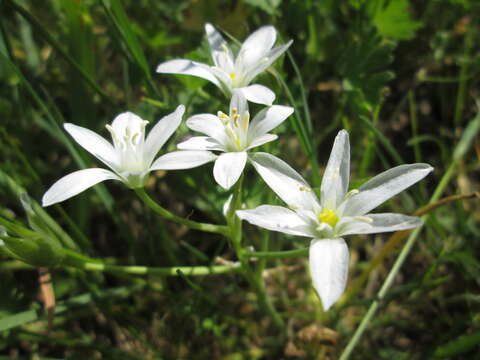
{"points": [[329, 217], [127, 137], [236, 128], [128, 140]]}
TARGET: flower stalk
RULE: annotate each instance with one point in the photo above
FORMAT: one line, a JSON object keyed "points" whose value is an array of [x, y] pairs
{"points": [[147, 200], [235, 226]]}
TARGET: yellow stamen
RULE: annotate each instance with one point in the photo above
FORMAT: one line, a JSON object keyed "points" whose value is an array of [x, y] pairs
{"points": [[223, 117], [235, 120], [329, 217], [232, 76], [304, 188]]}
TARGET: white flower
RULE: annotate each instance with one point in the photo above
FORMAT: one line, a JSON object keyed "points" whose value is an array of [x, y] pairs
{"points": [[336, 214], [229, 73], [234, 135], [131, 156]]}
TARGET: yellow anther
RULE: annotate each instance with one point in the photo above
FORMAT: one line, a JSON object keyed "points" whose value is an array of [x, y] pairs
{"points": [[235, 120], [223, 117], [366, 219], [351, 193], [232, 75], [329, 217], [134, 137], [304, 188]]}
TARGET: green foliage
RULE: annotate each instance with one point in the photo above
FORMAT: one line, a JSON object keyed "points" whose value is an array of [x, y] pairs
{"points": [[392, 18], [400, 75], [458, 346], [363, 69]]}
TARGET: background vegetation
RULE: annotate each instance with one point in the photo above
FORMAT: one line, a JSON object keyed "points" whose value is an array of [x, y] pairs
{"points": [[401, 76]]}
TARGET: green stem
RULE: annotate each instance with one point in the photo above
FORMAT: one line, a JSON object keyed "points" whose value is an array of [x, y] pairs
{"points": [[262, 262], [414, 123], [234, 222], [134, 270], [369, 151], [256, 282], [165, 271], [264, 299], [277, 254], [464, 68], [219, 229]]}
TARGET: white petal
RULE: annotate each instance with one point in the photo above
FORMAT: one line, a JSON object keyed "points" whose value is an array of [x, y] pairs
{"points": [[263, 139], [74, 183], [207, 124], [383, 186], [238, 102], [285, 182], [187, 67], [161, 132], [223, 79], [256, 46], [329, 269], [218, 46], [336, 177], [265, 62], [377, 223], [258, 94], [228, 168], [268, 119], [127, 119], [201, 143], [277, 218], [185, 159], [94, 144]]}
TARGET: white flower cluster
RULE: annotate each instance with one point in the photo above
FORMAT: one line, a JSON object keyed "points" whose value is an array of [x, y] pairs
{"points": [[228, 140]]}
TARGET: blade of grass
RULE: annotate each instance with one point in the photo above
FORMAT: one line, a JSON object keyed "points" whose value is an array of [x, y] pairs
{"points": [[40, 29], [117, 15], [18, 190], [300, 130], [383, 140], [24, 317]]}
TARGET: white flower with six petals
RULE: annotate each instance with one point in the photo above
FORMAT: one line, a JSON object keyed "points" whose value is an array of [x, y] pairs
{"points": [[131, 158], [336, 214], [234, 135], [228, 73]]}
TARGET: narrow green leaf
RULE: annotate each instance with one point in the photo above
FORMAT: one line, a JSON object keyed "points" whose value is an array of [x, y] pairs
{"points": [[25, 317], [467, 138], [460, 345], [40, 29]]}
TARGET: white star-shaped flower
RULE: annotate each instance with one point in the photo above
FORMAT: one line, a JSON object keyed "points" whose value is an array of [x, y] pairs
{"points": [[336, 214], [234, 135], [228, 73], [131, 158]]}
